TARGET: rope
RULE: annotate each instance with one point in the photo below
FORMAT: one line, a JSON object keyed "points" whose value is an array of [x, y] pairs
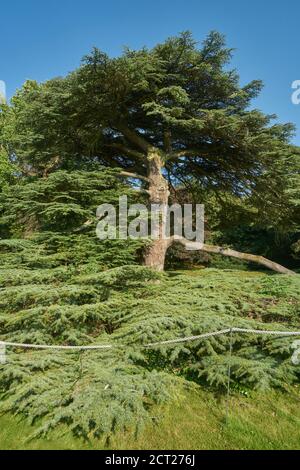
{"points": [[150, 345], [56, 347], [189, 338], [4, 344], [266, 332]]}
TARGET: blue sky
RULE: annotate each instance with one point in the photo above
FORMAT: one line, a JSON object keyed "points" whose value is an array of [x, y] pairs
{"points": [[44, 39]]}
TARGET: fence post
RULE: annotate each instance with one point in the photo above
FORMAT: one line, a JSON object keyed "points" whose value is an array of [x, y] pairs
{"points": [[229, 376], [2, 353]]}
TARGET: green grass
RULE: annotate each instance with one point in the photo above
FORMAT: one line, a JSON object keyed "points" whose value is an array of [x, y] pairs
{"points": [[195, 420]]}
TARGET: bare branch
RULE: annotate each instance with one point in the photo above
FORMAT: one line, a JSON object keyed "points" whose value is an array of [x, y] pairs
{"points": [[232, 253], [167, 141], [84, 226]]}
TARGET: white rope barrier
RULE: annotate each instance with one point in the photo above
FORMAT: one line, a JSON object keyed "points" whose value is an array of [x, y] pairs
{"points": [[4, 344], [55, 347], [266, 332], [189, 338], [231, 331]]}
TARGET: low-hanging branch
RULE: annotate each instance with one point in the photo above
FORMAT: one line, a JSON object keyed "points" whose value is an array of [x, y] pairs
{"points": [[203, 247], [232, 253]]}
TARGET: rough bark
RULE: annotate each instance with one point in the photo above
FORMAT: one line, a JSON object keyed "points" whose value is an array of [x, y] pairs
{"points": [[159, 194]]}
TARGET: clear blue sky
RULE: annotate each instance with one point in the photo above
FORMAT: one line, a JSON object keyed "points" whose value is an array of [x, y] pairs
{"points": [[43, 39]]}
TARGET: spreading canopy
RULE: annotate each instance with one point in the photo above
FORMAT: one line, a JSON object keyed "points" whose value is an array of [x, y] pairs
{"points": [[179, 98], [171, 115]]}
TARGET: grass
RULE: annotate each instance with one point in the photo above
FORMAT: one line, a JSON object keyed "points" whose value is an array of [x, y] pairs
{"points": [[195, 420]]}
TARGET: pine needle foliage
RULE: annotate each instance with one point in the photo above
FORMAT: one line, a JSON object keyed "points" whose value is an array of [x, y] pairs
{"points": [[50, 222], [60, 285], [99, 392]]}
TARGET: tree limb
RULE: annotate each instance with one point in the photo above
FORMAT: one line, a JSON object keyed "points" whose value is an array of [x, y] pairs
{"points": [[167, 141], [134, 176], [134, 138], [232, 253], [143, 191], [125, 150]]}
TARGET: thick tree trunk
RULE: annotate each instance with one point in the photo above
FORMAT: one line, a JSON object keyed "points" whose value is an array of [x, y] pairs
{"points": [[158, 191], [156, 253]]}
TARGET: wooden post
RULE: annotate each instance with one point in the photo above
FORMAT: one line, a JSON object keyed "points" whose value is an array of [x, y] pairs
{"points": [[2, 353]]}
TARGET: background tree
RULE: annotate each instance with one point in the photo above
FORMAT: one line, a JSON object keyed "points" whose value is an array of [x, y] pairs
{"points": [[7, 168]]}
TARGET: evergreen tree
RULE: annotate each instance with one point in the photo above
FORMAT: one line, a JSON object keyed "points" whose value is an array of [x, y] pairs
{"points": [[176, 120], [163, 115], [7, 168]]}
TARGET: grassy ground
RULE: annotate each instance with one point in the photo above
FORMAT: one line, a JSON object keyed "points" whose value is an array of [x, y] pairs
{"points": [[196, 420]]}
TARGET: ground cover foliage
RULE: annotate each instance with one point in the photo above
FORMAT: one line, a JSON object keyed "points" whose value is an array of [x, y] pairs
{"points": [[60, 285], [100, 392]]}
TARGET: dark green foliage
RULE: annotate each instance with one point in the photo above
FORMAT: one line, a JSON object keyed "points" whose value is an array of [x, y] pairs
{"points": [[55, 289], [7, 168], [94, 393], [179, 97], [62, 202], [51, 213]]}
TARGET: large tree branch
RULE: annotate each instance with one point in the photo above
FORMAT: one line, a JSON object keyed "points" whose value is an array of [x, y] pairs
{"points": [[143, 191], [232, 253], [208, 150], [201, 150], [167, 142], [125, 150], [135, 138], [134, 176]]}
